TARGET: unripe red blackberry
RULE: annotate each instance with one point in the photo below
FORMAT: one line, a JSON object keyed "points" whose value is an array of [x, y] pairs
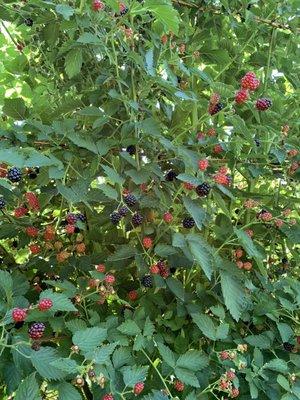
{"points": [[110, 279], [146, 281], [130, 200], [138, 388], [137, 219], [203, 189], [263, 104], [19, 314], [98, 5], [32, 201], [20, 211], [45, 304], [168, 217], [250, 81], [188, 186], [36, 330], [32, 231], [203, 164], [34, 248], [71, 218], [234, 393], [147, 242], [188, 222], [179, 386], [100, 268], [133, 295], [241, 96], [123, 9], [154, 269]]}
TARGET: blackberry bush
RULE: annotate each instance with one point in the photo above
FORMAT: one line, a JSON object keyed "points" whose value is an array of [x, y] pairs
{"points": [[191, 292]]}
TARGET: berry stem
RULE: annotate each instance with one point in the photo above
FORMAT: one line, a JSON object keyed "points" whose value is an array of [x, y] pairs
{"points": [[158, 373]]}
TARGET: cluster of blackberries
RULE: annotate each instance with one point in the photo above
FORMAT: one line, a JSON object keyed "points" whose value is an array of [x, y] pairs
{"points": [[215, 108], [130, 200], [188, 222], [32, 173]]}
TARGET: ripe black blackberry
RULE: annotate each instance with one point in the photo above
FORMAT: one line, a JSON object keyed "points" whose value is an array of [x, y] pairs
{"points": [[214, 109], [115, 217], [288, 346], [14, 174], [203, 189], [130, 200], [76, 229], [146, 281], [19, 324], [2, 203], [80, 217], [28, 22], [188, 222], [123, 9], [36, 330], [263, 104], [137, 219], [170, 176], [123, 211], [131, 149]]}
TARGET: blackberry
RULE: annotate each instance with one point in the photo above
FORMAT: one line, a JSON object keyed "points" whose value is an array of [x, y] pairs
{"points": [[32, 175], [76, 229], [170, 176], [2, 203], [123, 9], [137, 219], [146, 281], [203, 189], [115, 217], [130, 200], [80, 217], [36, 330], [257, 142], [131, 149], [288, 346], [215, 108], [263, 104], [123, 211], [188, 222], [284, 260], [19, 324], [28, 22], [14, 174]]}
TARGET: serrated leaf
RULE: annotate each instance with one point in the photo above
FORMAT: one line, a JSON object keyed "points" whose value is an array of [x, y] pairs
{"points": [[101, 355], [66, 391], [166, 354], [283, 382], [6, 283], [262, 341], [193, 360], [65, 10], [66, 365], [15, 108], [73, 62], [247, 243], [60, 301], [129, 327], [198, 213], [187, 377], [121, 357], [176, 287], [75, 325], [28, 389], [109, 191], [233, 294], [42, 360], [202, 253], [277, 365], [205, 324], [285, 331], [133, 375], [165, 13], [122, 253], [149, 328], [113, 176], [88, 339]]}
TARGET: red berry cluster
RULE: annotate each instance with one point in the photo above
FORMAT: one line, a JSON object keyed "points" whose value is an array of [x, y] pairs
{"points": [[138, 388], [160, 268]]}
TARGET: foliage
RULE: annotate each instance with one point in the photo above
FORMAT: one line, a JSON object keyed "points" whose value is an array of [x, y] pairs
{"points": [[98, 104]]}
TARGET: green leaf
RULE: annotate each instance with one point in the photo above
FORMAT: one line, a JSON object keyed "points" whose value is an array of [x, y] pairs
{"points": [[149, 328], [248, 244], [66, 365], [102, 355], [193, 360], [205, 324], [283, 382], [28, 389], [88, 38], [122, 253], [66, 391], [187, 377], [176, 287], [60, 301], [167, 355], [15, 108], [133, 375], [233, 294], [195, 211], [88, 339], [164, 250], [75, 325], [285, 331], [109, 192], [73, 62], [129, 327], [121, 357], [149, 62], [202, 253], [6, 283], [113, 176], [65, 10], [164, 13], [277, 365], [42, 360], [262, 341]]}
